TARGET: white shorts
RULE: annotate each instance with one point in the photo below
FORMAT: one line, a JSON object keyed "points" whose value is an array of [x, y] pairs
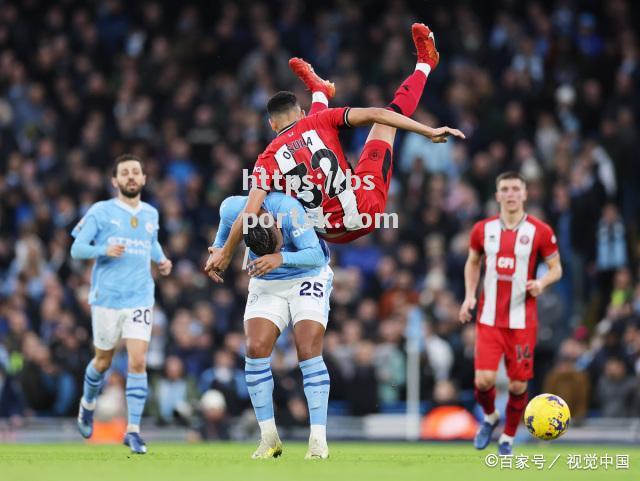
{"points": [[109, 325], [290, 300]]}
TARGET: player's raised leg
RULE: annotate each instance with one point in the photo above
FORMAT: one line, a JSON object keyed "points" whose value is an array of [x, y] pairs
{"points": [[321, 90], [261, 336], [93, 380], [376, 160], [136, 393], [309, 335]]}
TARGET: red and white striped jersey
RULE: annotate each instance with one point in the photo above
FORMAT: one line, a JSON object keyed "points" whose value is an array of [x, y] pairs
{"points": [[311, 148], [511, 256]]}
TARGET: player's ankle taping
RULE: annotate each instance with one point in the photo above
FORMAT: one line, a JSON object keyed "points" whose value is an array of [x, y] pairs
{"points": [[268, 425], [505, 438], [319, 97], [88, 405], [133, 428], [425, 68], [493, 417]]}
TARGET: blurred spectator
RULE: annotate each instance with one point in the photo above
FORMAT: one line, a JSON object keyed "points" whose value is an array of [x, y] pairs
{"points": [[174, 392], [213, 424], [616, 390], [565, 380]]}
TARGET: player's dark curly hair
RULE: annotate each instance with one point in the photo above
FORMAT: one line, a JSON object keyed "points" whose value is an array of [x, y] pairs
{"points": [[261, 240], [281, 102]]}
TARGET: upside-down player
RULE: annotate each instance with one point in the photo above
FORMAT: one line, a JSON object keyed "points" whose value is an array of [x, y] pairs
{"points": [[507, 318], [309, 147]]}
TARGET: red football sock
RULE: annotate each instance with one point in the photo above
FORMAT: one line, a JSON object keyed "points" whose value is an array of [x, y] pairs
{"points": [[408, 94], [515, 408], [487, 399], [317, 107]]}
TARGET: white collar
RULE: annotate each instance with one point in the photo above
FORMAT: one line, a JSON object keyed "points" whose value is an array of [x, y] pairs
{"points": [[128, 208]]}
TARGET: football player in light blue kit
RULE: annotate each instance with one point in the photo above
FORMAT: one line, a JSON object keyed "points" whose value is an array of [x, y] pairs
{"points": [[121, 234], [290, 283]]}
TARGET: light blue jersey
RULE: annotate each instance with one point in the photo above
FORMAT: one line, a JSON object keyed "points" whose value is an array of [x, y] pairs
{"points": [[119, 282], [302, 252]]}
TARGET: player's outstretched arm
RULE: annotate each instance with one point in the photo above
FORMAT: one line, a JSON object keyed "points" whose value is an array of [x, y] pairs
{"points": [[358, 117], [219, 259], [471, 280]]}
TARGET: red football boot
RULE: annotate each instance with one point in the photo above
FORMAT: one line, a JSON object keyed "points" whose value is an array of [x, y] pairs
{"points": [[305, 72], [425, 45]]}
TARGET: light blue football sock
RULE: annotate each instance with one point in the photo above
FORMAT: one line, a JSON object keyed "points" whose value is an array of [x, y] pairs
{"points": [[257, 373], [316, 388], [93, 380], [136, 399]]}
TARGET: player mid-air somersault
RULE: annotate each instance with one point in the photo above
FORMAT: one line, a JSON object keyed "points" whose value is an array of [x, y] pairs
{"points": [[322, 158]]}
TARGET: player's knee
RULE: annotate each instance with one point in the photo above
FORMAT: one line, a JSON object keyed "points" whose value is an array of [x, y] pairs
{"points": [[257, 347], [308, 352], [517, 387], [101, 363], [485, 382]]}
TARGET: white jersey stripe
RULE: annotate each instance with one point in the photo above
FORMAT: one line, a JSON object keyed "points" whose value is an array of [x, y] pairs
{"points": [[285, 160], [517, 306], [492, 232]]}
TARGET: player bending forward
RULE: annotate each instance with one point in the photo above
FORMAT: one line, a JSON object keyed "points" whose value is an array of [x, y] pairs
{"points": [[507, 317], [290, 283], [122, 235], [309, 147]]}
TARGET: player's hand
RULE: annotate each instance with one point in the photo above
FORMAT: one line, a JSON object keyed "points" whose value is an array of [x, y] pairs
{"points": [[439, 135], [534, 287], [214, 274], [165, 267], [265, 264], [115, 250], [465, 311]]}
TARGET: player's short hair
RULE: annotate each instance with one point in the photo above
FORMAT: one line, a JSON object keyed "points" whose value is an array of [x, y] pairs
{"points": [[261, 240], [124, 158], [282, 102], [511, 174]]}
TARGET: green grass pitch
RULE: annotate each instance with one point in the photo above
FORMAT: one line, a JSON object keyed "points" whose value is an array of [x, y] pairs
{"points": [[351, 461]]}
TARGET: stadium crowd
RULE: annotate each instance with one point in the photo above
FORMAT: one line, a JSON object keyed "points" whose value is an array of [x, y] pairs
{"points": [[549, 88]]}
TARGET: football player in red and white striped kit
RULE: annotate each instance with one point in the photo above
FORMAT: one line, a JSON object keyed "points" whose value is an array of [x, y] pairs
{"points": [[308, 147], [506, 323]]}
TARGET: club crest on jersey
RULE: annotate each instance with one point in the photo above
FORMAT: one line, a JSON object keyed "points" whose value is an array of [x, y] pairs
{"points": [[524, 239], [149, 227]]}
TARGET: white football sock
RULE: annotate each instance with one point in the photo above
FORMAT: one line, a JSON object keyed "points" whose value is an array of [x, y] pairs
{"points": [[505, 439], [319, 431], [133, 428], [425, 68], [493, 417], [267, 426], [319, 97]]}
